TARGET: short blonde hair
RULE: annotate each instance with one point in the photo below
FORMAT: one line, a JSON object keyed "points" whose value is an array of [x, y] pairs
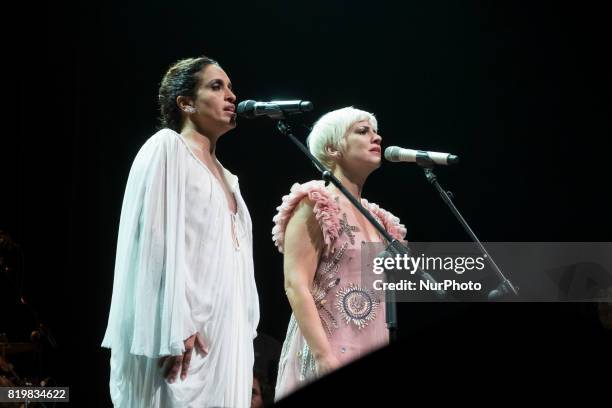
{"points": [[331, 129]]}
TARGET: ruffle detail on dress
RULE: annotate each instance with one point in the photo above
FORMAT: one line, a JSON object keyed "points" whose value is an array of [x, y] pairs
{"points": [[389, 221], [326, 211]]}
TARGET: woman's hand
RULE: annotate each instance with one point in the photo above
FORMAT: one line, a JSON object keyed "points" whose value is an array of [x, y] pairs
{"points": [[326, 364], [180, 364]]}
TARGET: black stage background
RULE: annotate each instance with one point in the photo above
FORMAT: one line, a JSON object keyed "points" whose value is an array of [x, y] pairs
{"points": [[521, 91]]}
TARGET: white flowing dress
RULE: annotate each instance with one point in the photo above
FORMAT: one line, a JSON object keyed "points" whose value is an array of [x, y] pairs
{"points": [[184, 265]]}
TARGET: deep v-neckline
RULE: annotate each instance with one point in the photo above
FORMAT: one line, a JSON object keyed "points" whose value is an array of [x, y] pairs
{"points": [[219, 182]]}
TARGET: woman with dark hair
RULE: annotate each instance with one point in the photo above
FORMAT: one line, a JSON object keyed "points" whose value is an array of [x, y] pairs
{"points": [[185, 309]]}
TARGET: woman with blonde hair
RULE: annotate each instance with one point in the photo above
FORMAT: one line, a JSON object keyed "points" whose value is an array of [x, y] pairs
{"points": [[335, 319]]}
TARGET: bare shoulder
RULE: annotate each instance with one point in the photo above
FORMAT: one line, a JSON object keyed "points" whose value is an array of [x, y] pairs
{"points": [[303, 223], [304, 210]]}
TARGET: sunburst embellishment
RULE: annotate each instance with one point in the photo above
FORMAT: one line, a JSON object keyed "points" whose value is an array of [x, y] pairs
{"points": [[357, 305]]}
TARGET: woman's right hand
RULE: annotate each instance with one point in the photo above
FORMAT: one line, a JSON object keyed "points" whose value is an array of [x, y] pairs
{"points": [[179, 365], [326, 364]]}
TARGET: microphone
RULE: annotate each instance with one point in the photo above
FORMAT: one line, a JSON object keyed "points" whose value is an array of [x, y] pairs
{"points": [[274, 109], [421, 157]]}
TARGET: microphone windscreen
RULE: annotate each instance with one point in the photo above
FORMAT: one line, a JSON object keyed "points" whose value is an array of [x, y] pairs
{"points": [[245, 108], [452, 159], [306, 106], [392, 153]]}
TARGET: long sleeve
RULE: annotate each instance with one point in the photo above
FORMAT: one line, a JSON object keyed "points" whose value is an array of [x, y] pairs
{"points": [[147, 308], [184, 265]]}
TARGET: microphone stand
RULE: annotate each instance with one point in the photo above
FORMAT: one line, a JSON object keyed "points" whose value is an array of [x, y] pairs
{"points": [[394, 248], [505, 287]]}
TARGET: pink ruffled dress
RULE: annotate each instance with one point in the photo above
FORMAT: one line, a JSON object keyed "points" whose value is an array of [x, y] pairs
{"points": [[352, 316]]}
